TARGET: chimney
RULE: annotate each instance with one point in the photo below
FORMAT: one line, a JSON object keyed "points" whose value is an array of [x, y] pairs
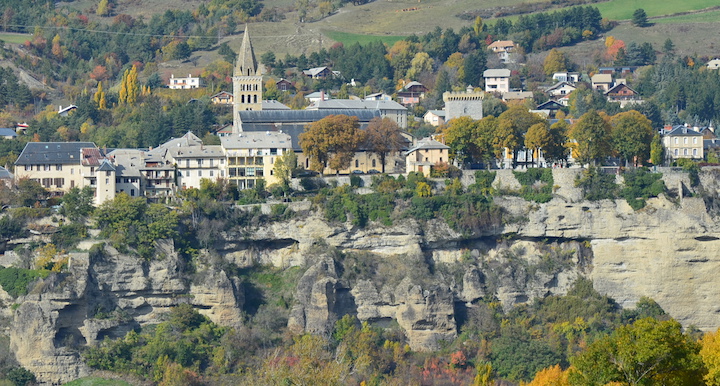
{"points": [[322, 95]]}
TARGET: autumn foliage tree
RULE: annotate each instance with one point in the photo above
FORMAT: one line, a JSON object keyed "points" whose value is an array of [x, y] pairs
{"points": [[382, 137], [591, 134], [556, 61], [648, 352], [331, 142], [538, 137], [631, 136], [129, 87], [710, 353]]}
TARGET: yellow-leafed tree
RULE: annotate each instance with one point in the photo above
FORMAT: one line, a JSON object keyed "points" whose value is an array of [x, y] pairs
{"points": [[710, 353]]}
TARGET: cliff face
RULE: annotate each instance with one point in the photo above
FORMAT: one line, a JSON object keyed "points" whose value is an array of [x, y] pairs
{"points": [[422, 276], [106, 295]]}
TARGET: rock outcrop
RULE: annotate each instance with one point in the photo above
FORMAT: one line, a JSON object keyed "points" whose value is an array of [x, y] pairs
{"points": [[107, 295], [422, 276]]}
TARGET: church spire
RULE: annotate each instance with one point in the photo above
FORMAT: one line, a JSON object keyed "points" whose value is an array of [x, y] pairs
{"points": [[246, 64]]}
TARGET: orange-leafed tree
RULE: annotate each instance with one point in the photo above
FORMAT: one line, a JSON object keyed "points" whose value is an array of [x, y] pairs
{"points": [[382, 137], [331, 142]]}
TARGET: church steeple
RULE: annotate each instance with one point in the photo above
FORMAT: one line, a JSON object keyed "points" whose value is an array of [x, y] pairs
{"points": [[247, 82], [246, 64]]}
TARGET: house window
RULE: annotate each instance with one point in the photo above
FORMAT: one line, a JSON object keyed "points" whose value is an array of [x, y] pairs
{"points": [[28, 168], [211, 173], [695, 141], [685, 152], [132, 192], [72, 170], [694, 152], [677, 140], [46, 168], [58, 167], [107, 181], [685, 140], [199, 173], [373, 163], [199, 162], [107, 174], [187, 163], [72, 183], [59, 182], [357, 163]]}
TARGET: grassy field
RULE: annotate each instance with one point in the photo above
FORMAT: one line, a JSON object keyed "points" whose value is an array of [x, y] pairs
{"points": [[700, 17], [15, 38], [349, 38], [623, 9]]}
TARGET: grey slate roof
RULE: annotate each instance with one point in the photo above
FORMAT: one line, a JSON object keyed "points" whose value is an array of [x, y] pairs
{"points": [[427, 143], [683, 131], [355, 104], [302, 116], [106, 166], [212, 151], [5, 174], [257, 140], [497, 73], [439, 113], [36, 153], [6, 132], [246, 64], [271, 104]]}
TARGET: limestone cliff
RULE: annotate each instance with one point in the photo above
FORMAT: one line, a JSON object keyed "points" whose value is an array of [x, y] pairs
{"points": [[420, 276]]}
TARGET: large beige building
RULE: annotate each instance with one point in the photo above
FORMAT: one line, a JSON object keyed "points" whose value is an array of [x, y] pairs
{"points": [[57, 166], [683, 142], [425, 155], [251, 156]]}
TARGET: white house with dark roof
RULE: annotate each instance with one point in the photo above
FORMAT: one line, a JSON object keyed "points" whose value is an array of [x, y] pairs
{"points": [[497, 80], [560, 89], [8, 133]]}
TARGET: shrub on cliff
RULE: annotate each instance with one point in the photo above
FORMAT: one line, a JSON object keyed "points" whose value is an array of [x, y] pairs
{"points": [[537, 184], [641, 184], [596, 185], [15, 280], [131, 221]]}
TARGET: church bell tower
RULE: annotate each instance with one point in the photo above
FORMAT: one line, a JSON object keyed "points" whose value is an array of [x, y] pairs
{"points": [[247, 82]]}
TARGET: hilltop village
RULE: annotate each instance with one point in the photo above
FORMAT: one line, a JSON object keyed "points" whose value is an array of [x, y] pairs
{"points": [[527, 200], [374, 131]]}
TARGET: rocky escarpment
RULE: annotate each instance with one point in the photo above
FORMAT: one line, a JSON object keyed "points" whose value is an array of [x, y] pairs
{"points": [[422, 277], [106, 294]]}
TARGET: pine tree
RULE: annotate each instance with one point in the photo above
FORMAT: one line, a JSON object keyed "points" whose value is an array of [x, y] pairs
{"points": [[639, 18]]}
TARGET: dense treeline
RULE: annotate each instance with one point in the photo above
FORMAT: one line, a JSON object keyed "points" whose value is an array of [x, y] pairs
{"points": [[541, 31]]}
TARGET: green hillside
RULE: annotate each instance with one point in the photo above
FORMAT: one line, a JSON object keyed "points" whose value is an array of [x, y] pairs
{"points": [[623, 9]]}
